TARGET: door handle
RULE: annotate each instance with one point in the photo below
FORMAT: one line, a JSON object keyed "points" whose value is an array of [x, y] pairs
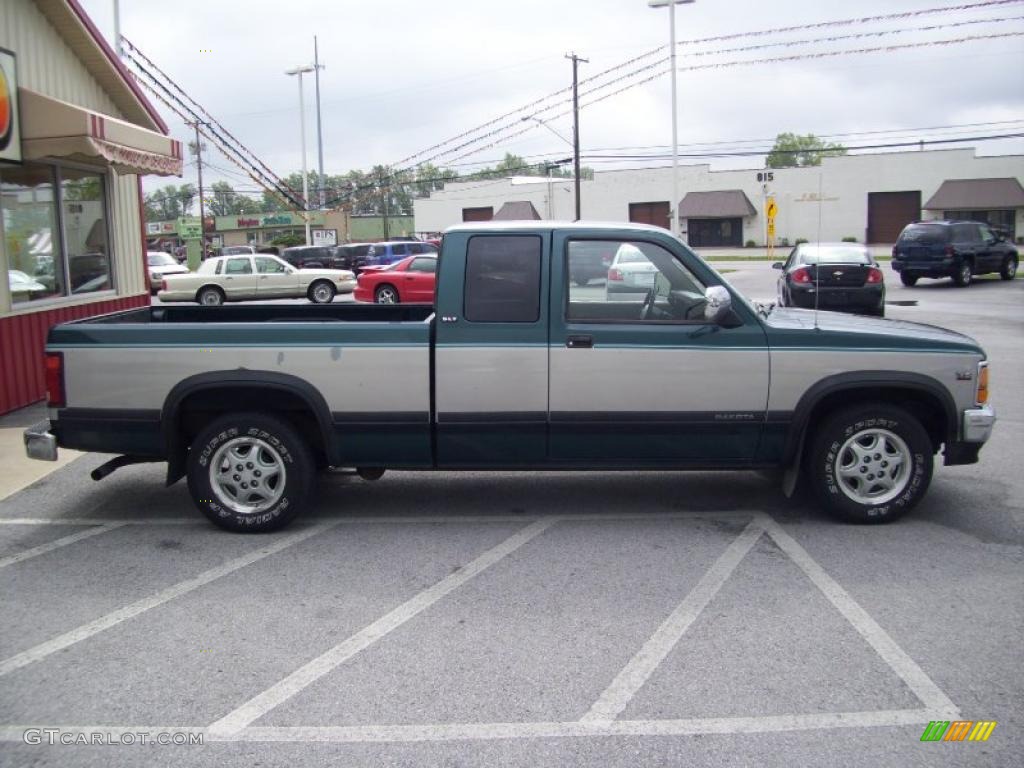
{"points": [[579, 342]]}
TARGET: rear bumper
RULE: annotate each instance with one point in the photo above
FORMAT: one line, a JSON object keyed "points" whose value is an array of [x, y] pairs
{"points": [[40, 443], [854, 298], [926, 268]]}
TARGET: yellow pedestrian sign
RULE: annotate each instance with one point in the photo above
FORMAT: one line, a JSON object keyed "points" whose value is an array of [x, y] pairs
{"points": [[772, 209]]}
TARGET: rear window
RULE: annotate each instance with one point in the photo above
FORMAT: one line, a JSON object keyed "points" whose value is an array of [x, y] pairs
{"points": [[925, 234], [835, 254]]}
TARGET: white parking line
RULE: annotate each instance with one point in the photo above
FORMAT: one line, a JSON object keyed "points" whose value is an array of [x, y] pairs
{"points": [[923, 686], [58, 543], [114, 618], [631, 679], [488, 731], [312, 671]]}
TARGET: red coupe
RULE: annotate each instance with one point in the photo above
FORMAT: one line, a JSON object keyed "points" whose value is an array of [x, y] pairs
{"points": [[409, 281]]}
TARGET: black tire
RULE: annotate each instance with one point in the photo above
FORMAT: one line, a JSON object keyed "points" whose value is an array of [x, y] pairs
{"points": [[580, 282], [281, 443], [908, 280], [963, 275], [1009, 269], [210, 296], [828, 449], [386, 294], [321, 292]]}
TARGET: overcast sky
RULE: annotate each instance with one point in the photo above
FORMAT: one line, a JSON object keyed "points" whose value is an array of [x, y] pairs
{"points": [[403, 75]]}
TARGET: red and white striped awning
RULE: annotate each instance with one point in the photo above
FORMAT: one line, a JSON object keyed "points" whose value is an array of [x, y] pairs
{"points": [[56, 129]]}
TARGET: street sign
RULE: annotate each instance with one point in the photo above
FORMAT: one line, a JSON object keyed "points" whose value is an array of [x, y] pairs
{"points": [[772, 209], [189, 228], [325, 237]]}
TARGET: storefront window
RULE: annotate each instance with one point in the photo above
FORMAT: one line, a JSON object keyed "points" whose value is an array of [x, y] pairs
{"points": [[31, 236], [55, 233]]}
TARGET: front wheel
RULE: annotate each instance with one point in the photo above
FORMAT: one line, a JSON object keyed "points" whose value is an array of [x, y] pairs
{"points": [[386, 294], [908, 280], [963, 275], [870, 463], [1009, 269], [321, 292], [250, 472]]}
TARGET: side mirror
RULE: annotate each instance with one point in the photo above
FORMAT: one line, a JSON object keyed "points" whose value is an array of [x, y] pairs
{"points": [[777, 265], [719, 303]]}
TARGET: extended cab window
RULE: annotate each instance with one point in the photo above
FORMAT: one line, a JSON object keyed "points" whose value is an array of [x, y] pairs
{"points": [[503, 279], [642, 282]]}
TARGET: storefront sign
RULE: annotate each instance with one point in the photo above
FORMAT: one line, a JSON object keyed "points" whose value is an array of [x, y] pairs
{"points": [[10, 116], [161, 227], [270, 220], [189, 228], [325, 237]]}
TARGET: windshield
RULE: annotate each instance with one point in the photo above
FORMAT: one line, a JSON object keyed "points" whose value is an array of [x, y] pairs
{"points": [[925, 234], [160, 260], [835, 254]]}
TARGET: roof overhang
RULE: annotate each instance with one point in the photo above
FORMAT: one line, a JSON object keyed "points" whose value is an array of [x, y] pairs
{"points": [[56, 129], [977, 195], [722, 204]]}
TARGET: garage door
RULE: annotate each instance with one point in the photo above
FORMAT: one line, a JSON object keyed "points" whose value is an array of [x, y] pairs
{"points": [[890, 212], [477, 214], [649, 213]]}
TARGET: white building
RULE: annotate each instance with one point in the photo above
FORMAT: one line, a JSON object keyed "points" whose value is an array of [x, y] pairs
{"points": [[869, 197]]}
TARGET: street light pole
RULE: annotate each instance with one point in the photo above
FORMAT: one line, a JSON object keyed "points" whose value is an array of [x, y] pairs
{"points": [[302, 128], [675, 224], [317, 66]]}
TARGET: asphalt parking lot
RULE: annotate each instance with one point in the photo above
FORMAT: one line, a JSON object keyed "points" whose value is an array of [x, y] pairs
{"points": [[503, 619]]}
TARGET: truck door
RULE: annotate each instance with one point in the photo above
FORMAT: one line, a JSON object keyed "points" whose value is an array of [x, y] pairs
{"points": [[491, 349], [638, 377]]}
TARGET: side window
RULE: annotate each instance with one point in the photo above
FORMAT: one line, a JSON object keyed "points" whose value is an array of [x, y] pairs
{"points": [[267, 266], [220, 267], [986, 233], [644, 282], [238, 267], [963, 233], [415, 248], [503, 279], [399, 250], [423, 265]]}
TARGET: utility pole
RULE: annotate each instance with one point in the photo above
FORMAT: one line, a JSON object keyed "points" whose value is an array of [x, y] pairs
{"points": [[384, 204], [199, 173], [576, 124], [319, 126]]}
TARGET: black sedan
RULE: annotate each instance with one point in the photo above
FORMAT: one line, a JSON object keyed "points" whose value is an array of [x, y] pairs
{"points": [[841, 277]]}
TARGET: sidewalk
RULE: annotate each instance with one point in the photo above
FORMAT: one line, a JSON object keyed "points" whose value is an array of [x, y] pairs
{"points": [[17, 471]]}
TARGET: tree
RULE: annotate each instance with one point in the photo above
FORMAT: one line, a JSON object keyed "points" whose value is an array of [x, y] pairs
{"points": [[169, 202], [792, 150], [224, 201]]}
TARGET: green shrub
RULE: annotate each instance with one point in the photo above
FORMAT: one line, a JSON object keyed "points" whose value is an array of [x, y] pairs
{"points": [[849, 239], [288, 240], [750, 244], [784, 242], [800, 240]]}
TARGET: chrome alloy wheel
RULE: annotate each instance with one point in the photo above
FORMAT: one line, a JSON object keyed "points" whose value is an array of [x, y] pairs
{"points": [[322, 293], [386, 295], [247, 475], [873, 466]]}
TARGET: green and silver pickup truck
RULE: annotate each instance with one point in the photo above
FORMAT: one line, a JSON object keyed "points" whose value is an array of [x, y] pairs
{"points": [[517, 367]]}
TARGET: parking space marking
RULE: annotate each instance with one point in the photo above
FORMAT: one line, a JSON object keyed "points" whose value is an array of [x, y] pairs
{"points": [[631, 679], [49, 546], [114, 618], [905, 667], [313, 670]]}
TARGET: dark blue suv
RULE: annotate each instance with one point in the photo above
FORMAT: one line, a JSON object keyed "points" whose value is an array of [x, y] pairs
{"points": [[956, 249]]}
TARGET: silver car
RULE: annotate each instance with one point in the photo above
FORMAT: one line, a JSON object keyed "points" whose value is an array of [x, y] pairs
{"points": [[630, 275], [261, 276]]}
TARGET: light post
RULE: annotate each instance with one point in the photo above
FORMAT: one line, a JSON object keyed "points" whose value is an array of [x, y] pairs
{"points": [[549, 166], [302, 128], [676, 224]]}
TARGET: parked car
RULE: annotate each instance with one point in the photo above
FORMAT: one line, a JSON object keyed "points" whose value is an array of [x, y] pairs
{"points": [[835, 276], [956, 249], [631, 274], [504, 373], [356, 255], [23, 286], [392, 251], [237, 278], [159, 265], [591, 260], [236, 250], [409, 281], [316, 257]]}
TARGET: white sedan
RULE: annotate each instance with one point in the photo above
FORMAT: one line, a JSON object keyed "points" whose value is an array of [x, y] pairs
{"points": [[260, 276]]}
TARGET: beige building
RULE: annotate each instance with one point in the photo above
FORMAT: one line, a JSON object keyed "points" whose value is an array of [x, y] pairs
{"points": [[75, 135]]}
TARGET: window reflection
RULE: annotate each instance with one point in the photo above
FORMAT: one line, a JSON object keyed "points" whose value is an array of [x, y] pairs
{"points": [[85, 231], [32, 239]]}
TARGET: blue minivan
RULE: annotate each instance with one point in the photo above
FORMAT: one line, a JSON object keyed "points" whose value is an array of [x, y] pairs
{"points": [[392, 251]]}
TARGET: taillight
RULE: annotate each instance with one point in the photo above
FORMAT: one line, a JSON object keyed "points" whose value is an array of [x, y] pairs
{"points": [[614, 274], [874, 275], [801, 276], [982, 393], [163, 284], [55, 379]]}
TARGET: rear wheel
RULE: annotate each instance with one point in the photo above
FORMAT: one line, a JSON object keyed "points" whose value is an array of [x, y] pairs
{"points": [[385, 294], [908, 280], [210, 296], [870, 463], [1009, 268], [321, 292], [963, 275], [250, 472]]}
